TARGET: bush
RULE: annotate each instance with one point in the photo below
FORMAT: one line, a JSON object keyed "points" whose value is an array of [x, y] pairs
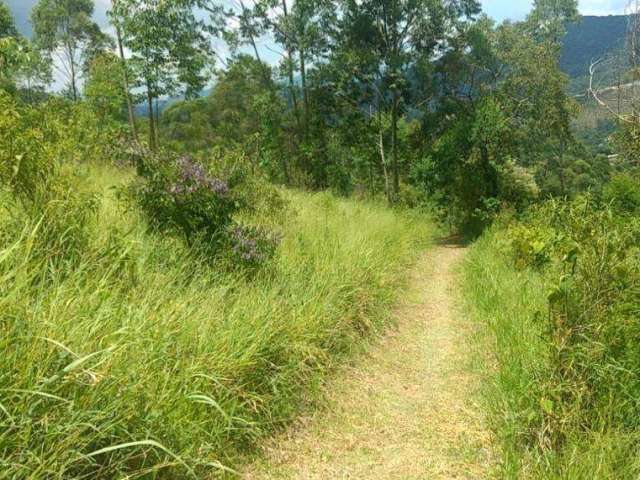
{"points": [[623, 192], [252, 246], [179, 196], [234, 219], [38, 171], [568, 369]]}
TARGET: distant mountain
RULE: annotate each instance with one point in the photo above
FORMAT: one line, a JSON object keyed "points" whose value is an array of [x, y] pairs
{"points": [[591, 38]]}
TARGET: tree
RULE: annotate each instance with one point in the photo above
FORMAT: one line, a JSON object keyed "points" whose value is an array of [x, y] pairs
{"points": [[34, 73], [7, 22], [306, 29], [169, 49], [383, 41], [64, 30], [503, 119], [549, 19], [103, 89]]}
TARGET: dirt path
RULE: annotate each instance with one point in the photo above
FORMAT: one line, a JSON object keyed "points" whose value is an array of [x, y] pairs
{"points": [[403, 411]]}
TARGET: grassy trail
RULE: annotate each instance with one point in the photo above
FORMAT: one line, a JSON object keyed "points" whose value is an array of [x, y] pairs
{"points": [[403, 411]]}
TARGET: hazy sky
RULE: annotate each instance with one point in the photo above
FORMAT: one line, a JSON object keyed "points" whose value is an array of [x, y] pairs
{"points": [[498, 9], [517, 9]]}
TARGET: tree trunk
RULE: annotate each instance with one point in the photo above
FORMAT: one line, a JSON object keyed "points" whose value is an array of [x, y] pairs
{"points": [[387, 186], [292, 86], [560, 163], [125, 84], [305, 97], [72, 65], [394, 147], [157, 122], [252, 40], [152, 128]]}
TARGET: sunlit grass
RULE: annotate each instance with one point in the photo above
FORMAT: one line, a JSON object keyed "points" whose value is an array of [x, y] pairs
{"points": [[509, 306], [139, 360]]}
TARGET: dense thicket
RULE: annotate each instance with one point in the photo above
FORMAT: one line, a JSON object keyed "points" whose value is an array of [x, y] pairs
{"points": [[558, 293], [557, 289]]}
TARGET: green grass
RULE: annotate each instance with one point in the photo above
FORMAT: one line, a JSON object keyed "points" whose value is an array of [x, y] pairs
{"points": [[510, 307], [139, 362]]}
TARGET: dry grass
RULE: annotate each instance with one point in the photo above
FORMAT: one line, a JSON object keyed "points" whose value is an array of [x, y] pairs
{"points": [[403, 411]]}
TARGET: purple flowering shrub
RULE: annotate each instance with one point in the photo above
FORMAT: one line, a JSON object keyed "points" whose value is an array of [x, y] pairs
{"points": [[252, 246], [181, 197]]}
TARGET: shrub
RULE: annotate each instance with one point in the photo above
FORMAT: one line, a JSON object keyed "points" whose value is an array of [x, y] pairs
{"points": [[252, 246], [567, 338], [234, 219], [528, 246], [181, 197], [38, 156], [623, 192], [593, 308]]}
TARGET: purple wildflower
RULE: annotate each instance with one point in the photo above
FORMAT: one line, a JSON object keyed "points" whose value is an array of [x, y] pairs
{"points": [[193, 177]]}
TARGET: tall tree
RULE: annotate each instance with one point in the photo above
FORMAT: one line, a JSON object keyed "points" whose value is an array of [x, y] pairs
{"points": [[34, 73], [7, 22], [116, 20], [103, 88], [386, 40], [169, 49], [64, 30]]}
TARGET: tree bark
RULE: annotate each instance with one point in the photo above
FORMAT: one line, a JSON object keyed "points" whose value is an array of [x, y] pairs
{"points": [[250, 32], [157, 123], [394, 148], [125, 84], [387, 186], [305, 96], [292, 87], [72, 66], [152, 129]]}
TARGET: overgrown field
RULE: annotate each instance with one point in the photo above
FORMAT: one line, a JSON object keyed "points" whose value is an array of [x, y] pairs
{"points": [[558, 295], [135, 359]]}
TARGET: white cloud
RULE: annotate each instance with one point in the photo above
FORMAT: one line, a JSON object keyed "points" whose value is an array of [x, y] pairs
{"points": [[602, 7], [517, 9]]}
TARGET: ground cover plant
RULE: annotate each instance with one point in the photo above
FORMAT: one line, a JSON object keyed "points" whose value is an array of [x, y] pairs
{"points": [[137, 358], [560, 304]]}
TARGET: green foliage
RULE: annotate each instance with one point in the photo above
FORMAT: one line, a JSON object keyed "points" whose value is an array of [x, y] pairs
{"points": [[103, 89], [169, 49], [37, 151], [7, 22], [590, 38], [623, 193], [179, 196], [243, 110], [66, 26], [567, 370], [174, 368], [220, 206]]}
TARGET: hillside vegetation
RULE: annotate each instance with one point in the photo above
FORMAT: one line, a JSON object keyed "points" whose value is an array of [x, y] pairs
{"points": [[591, 38], [176, 285], [557, 295], [137, 358]]}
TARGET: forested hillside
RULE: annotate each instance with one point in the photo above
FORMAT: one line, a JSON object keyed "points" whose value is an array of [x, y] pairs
{"points": [[592, 38], [177, 287]]}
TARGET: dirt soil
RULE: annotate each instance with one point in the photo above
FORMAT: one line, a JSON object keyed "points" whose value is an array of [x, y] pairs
{"points": [[403, 410]]}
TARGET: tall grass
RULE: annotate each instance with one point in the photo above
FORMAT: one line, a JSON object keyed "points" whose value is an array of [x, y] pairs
{"points": [[543, 426], [137, 361]]}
